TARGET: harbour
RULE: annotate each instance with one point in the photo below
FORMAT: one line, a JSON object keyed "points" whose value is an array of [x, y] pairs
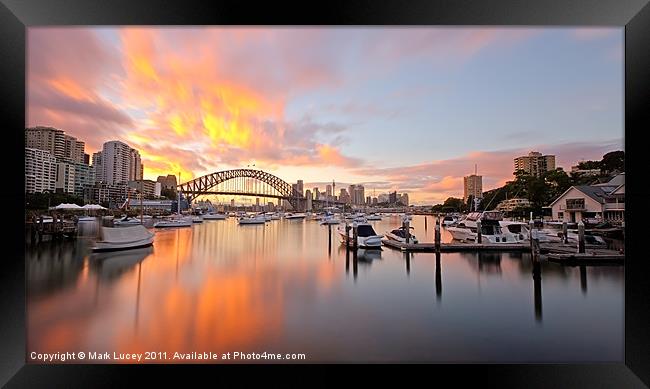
{"points": [[221, 285]]}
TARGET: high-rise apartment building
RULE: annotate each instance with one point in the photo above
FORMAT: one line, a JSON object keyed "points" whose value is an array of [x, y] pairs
{"points": [[328, 191], [316, 194], [117, 163], [46, 138], [56, 142], [98, 165], [74, 149], [40, 171], [535, 163], [357, 194], [472, 186]]}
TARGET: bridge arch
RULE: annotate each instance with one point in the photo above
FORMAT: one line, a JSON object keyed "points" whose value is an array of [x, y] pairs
{"points": [[203, 185]]}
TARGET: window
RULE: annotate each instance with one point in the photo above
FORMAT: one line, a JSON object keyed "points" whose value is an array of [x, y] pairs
{"points": [[560, 215], [575, 203]]}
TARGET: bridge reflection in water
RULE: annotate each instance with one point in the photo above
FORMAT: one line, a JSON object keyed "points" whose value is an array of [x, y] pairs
{"points": [[285, 287]]}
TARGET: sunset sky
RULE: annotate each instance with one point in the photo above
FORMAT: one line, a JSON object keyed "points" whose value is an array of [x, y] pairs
{"points": [[407, 109]]}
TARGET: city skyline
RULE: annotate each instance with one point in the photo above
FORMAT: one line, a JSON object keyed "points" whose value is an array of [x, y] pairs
{"points": [[335, 103]]}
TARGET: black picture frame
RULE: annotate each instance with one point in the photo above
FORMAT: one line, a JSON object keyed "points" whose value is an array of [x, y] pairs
{"points": [[634, 15]]}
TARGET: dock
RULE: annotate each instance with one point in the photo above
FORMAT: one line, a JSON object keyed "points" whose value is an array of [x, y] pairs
{"points": [[455, 247], [610, 257]]}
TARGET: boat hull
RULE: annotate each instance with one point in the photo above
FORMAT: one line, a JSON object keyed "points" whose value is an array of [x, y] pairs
{"points": [[102, 247]]}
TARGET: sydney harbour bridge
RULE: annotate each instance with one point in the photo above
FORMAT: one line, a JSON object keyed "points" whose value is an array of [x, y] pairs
{"points": [[245, 182]]}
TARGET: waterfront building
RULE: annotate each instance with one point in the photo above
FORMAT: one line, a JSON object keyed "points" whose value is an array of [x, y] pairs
{"points": [[472, 186], [152, 207], [168, 182], [510, 205], [535, 163], [148, 187], [604, 201], [40, 171], [112, 194]]}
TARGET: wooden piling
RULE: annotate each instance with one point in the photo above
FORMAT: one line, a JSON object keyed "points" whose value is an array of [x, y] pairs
{"points": [[355, 237], [531, 227], [437, 236], [407, 228], [425, 222], [347, 235], [565, 232], [581, 237], [479, 232]]}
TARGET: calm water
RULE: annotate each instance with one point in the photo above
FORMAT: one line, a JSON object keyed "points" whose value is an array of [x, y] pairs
{"points": [[281, 288]]}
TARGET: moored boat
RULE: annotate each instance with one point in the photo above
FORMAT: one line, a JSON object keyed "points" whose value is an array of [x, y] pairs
{"points": [[366, 235], [124, 238], [400, 235]]}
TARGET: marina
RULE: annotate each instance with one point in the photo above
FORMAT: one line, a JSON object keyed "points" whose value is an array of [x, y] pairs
{"points": [[286, 280]]}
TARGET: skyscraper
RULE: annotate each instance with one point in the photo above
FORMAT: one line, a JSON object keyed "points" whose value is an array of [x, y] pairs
{"points": [[117, 163], [74, 149], [472, 186], [301, 190], [535, 163], [316, 194], [328, 191], [99, 167]]}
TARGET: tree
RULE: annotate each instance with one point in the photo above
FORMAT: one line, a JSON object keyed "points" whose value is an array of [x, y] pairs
{"points": [[170, 194], [614, 160]]}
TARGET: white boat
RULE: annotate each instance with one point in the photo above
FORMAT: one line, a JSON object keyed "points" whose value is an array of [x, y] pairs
{"points": [[127, 221], [273, 216], [329, 219], [399, 235], [516, 231], [449, 220], [214, 216], [175, 222], [366, 235], [197, 219], [491, 231], [252, 220], [373, 216], [290, 216], [124, 238], [87, 219]]}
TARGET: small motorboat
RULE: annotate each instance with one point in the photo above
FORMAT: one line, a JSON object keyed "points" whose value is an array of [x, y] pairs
{"points": [[252, 220], [127, 221], [291, 216], [373, 216], [197, 219], [366, 235], [399, 235], [125, 238], [449, 220], [329, 219], [215, 216], [176, 222]]}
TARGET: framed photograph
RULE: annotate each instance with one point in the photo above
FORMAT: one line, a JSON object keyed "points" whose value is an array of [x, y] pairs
{"points": [[441, 186]]}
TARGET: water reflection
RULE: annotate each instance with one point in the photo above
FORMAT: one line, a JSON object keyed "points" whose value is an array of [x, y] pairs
{"points": [[280, 287]]}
